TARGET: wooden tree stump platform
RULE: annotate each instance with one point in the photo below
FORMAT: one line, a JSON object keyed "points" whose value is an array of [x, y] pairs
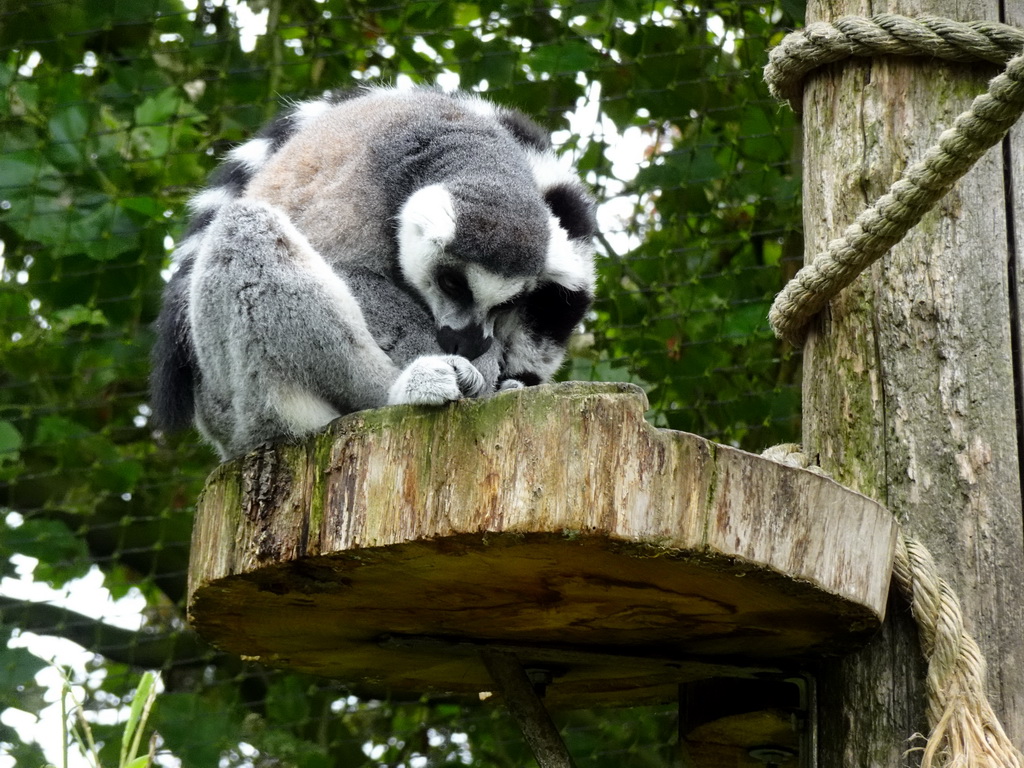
{"points": [[615, 559]]}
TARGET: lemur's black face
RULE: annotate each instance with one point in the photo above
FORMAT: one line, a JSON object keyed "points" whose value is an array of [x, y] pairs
{"points": [[462, 295], [498, 254], [466, 300]]}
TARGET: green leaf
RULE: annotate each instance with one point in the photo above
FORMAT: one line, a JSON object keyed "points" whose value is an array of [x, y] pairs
{"points": [[58, 430], [795, 9], [568, 57], [10, 443], [288, 700], [80, 315], [18, 667], [26, 173], [148, 206], [23, 754], [69, 128], [103, 233], [14, 309], [166, 106], [49, 541], [121, 476], [136, 722], [195, 729]]}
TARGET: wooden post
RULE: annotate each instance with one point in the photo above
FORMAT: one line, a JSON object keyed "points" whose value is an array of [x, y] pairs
{"points": [[527, 709], [910, 375]]}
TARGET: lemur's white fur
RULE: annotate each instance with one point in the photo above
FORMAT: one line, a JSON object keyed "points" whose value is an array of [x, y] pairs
{"points": [[252, 154], [570, 262], [210, 200], [308, 111], [426, 225]]}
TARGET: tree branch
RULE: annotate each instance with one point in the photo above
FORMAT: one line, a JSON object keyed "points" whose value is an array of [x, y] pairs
{"points": [[137, 648]]}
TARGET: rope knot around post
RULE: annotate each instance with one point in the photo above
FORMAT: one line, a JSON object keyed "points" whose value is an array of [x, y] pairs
{"points": [[930, 37]]}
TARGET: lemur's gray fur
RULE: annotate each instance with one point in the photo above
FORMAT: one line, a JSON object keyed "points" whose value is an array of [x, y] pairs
{"points": [[375, 247]]}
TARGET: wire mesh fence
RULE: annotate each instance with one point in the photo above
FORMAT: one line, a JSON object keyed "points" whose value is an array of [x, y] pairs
{"points": [[111, 114]]}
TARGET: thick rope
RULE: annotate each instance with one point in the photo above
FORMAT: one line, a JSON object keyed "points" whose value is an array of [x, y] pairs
{"points": [[964, 729], [965, 732], [886, 34], [922, 185]]}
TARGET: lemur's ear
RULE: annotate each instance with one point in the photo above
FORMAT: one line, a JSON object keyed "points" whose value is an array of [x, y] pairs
{"points": [[525, 130], [574, 210]]}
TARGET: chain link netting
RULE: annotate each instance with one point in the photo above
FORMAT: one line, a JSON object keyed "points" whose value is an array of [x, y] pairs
{"points": [[111, 114]]}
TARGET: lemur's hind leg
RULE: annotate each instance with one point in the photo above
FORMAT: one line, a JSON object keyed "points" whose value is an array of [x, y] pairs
{"points": [[281, 343]]}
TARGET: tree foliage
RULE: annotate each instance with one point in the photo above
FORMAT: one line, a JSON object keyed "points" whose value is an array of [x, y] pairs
{"points": [[112, 113]]}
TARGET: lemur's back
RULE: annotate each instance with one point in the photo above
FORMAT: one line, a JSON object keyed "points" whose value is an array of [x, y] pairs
{"points": [[322, 178], [335, 185]]}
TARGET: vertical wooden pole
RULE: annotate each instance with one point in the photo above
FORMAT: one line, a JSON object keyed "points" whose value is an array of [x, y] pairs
{"points": [[910, 376], [527, 709]]}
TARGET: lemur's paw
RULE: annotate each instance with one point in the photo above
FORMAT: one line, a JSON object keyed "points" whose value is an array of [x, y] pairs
{"points": [[435, 380], [506, 384]]}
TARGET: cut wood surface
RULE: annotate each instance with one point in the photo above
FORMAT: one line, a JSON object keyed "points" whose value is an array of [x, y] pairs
{"points": [[552, 521]]}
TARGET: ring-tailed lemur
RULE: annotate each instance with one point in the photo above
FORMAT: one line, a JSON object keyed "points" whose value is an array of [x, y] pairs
{"points": [[367, 248]]}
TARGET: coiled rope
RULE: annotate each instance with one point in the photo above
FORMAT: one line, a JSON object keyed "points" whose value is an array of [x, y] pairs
{"points": [[884, 35], [924, 183], [965, 732]]}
